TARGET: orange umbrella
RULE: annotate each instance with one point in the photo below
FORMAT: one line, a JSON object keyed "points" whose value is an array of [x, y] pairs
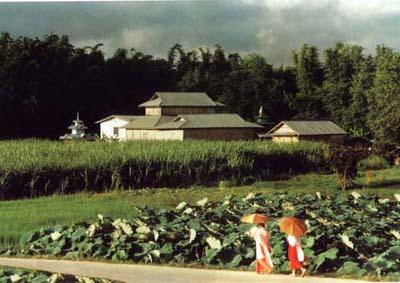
{"points": [[255, 218], [293, 226]]}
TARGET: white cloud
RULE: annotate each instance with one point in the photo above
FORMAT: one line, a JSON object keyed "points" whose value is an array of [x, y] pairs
{"points": [[368, 8], [363, 8], [279, 5]]}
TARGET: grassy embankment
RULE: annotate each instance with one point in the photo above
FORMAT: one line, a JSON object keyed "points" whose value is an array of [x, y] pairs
{"points": [[19, 217]]}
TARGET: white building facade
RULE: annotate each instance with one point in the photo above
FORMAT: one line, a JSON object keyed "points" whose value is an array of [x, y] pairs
{"points": [[110, 127]]}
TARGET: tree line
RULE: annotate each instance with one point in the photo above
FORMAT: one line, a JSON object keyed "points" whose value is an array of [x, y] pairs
{"points": [[45, 81]]}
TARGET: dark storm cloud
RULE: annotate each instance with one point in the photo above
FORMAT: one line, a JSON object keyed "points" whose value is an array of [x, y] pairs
{"points": [[272, 27]]}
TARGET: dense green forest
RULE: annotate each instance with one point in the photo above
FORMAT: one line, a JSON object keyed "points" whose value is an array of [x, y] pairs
{"points": [[43, 82]]}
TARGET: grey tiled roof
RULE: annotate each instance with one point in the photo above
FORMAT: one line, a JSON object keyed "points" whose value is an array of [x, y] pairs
{"points": [[181, 99], [122, 117], [148, 122], [309, 128], [197, 121]]}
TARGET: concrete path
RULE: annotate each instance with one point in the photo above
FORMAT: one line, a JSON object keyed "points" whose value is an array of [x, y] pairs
{"points": [[135, 273]]}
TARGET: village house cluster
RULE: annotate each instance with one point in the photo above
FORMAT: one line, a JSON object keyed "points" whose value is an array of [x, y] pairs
{"points": [[179, 116], [194, 115]]}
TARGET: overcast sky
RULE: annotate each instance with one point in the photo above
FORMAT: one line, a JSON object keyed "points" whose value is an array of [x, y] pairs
{"points": [[272, 28]]}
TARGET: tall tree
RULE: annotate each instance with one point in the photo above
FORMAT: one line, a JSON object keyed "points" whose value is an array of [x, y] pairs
{"points": [[259, 76], [283, 94], [356, 115], [384, 98], [340, 64], [309, 77]]}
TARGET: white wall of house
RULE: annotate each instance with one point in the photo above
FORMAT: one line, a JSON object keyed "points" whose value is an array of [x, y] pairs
{"points": [[154, 134], [122, 134], [110, 129], [285, 139]]}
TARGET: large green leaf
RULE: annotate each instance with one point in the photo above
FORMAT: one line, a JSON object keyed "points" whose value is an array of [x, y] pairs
{"points": [[229, 239], [249, 253], [167, 249], [346, 240], [214, 243], [309, 242], [393, 253], [211, 254], [40, 279], [321, 258], [236, 261], [351, 268]]}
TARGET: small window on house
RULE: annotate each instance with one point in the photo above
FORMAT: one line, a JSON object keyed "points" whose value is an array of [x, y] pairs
{"points": [[116, 131]]}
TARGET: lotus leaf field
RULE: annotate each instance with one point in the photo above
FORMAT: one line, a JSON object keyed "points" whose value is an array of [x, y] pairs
{"points": [[29, 276], [348, 234]]}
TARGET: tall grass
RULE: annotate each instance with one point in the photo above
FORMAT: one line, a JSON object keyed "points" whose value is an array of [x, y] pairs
{"points": [[31, 168]]}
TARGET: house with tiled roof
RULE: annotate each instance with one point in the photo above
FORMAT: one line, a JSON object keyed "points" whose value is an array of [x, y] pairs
{"points": [[186, 115], [294, 131]]}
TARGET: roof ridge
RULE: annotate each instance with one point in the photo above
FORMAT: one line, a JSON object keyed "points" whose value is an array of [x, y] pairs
{"points": [[321, 127], [180, 99]]}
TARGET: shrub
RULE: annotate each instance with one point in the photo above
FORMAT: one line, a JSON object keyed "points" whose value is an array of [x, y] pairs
{"points": [[345, 159], [373, 162], [387, 150]]}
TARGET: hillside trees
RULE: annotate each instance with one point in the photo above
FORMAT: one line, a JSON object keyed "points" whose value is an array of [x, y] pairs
{"points": [[357, 114], [309, 78], [341, 63]]}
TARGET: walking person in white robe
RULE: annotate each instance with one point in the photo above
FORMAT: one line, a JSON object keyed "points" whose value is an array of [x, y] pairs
{"points": [[263, 248]]}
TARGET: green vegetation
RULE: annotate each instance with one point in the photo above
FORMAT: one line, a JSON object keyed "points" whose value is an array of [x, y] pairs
{"points": [[30, 276], [21, 216], [373, 163], [32, 168], [347, 234], [341, 83]]}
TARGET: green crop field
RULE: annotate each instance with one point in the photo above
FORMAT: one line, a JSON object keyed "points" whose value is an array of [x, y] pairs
{"points": [[21, 216], [33, 168]]}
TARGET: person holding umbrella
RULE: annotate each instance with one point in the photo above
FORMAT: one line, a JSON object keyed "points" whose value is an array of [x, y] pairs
{"points": [[295, 228], [263, 246]]}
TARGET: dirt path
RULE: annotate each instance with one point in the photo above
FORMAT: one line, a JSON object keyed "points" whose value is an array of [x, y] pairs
{"points": [[135, 273]]}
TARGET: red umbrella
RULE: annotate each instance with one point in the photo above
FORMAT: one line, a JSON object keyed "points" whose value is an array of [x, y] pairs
{"points": [[255, 218], [293, 226]]}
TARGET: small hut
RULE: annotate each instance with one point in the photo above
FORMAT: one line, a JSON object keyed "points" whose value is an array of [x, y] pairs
{"points": [[294, 131]]}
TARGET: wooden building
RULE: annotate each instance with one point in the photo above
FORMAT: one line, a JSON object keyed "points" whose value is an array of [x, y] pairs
{"points": [[174, 103], [294, 131], [185, 115], [191, 126]]}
